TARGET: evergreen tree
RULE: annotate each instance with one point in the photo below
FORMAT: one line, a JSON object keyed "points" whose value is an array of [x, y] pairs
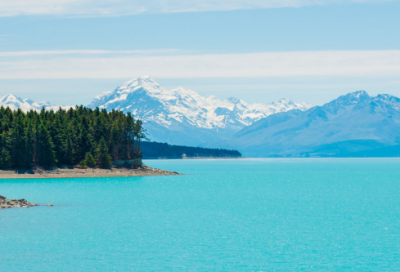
{"points": [[57, 136], [82, 164], [65, 137], [69, 151], [46, 156], [36, 150], [29, 145], [85, 143], [18, 144], [103, 158], [5, 159], [90, 161]]}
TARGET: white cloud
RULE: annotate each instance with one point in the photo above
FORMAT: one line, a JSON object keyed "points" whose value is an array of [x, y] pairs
{"points": [[85, 52], [126, 7], [271, 64]]}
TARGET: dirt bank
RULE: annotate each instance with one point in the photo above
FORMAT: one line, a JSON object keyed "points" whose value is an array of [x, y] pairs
{"points": [[84, 173]]}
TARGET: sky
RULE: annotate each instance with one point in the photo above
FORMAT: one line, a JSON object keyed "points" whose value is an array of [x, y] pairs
{"points": [[257, 50]]}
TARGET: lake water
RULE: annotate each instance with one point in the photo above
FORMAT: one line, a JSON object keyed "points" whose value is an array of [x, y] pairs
{"points": [[223, 215]]}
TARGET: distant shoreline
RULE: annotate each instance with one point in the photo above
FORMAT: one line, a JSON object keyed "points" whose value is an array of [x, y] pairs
{"points": [[193, 158], [85, 173]]}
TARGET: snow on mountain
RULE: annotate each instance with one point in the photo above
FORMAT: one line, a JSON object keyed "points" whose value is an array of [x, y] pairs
{"points": [[350, 123], [14, 102], [184, 116]]}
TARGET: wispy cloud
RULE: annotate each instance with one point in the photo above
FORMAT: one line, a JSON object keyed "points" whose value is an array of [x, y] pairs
{"points": [[87, 52], [126, 7], [270, 64]]}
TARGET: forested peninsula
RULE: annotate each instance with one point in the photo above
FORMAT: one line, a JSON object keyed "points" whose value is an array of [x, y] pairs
{"points": [[77, 136], [83, 142]]}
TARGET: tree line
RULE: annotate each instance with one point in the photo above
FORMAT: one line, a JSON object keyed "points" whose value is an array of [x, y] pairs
{"points": [[78, 135], [154, 150]]}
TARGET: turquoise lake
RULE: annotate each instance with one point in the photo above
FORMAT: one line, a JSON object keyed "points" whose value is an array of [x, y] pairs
{"points": [[223, 215]]}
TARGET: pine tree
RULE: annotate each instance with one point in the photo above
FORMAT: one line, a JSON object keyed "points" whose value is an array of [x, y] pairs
{"points": [[85, 143], [65, 137], [90, 161], [69, 150], [115, 140], [18, 144], [82, 164], [5, 159], [57, 135], [103, 158], [29, 145], [46, 156], [101, 128], [36, 150]]}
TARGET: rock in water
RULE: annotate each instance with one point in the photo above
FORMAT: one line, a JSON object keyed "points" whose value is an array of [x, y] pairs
{"points": [[14, 203]]}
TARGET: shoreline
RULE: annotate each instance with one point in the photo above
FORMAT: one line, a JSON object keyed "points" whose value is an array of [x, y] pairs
{"points": [[193, 158], [85, 173]]}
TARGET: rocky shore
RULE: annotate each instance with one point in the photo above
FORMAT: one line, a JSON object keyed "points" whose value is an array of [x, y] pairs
{"points": [[84, 173], [15, 203]]}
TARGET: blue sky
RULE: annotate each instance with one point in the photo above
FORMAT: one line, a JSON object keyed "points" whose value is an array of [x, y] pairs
{"points": [[259, 51]]}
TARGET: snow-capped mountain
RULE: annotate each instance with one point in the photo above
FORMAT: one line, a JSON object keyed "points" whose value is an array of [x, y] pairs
{"points": [[181, 116], [14, 102], [348, 124]]}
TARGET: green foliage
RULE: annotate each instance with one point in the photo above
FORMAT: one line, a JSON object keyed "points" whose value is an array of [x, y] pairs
{"points": [[29, 135], [103, 158], [69, 156], [90, 161], [49, 138], [82, 164], [47, 156], [18, 144], [5, 159], [153, 150]]}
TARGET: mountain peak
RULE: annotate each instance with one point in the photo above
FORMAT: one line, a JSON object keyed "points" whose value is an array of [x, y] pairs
{"points": [[182, 110], [358, 94], [350, 98], [10, 98], [143, 81], [233, 100], [286, 101]]}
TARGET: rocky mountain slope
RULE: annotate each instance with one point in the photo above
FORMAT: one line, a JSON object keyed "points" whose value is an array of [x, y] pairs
{"points": [[346, 125], [184, 117]]}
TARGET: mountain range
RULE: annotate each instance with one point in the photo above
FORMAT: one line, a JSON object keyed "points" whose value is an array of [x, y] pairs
{"points": [[184, 117], [14, 102], [355, 124], [348, 126]]}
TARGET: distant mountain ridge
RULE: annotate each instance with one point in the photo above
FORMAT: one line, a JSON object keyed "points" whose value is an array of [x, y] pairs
{"points": [[181, 116], [355, 124], [344, 126], [14, 102]]}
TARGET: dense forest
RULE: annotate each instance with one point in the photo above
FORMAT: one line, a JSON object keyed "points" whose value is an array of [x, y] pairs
{"points": [[67, 137], [154, 150]]}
